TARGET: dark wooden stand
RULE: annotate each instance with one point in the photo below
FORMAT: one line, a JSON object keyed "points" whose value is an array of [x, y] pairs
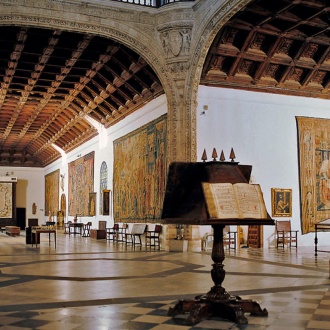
{"points": [[217, 302], [184, 203], [319, 227]]}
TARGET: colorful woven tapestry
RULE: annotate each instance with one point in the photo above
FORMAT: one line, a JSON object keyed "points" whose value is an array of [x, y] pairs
{"points": [[314, 170], [81, 184], [52, 186], [139, 173]]}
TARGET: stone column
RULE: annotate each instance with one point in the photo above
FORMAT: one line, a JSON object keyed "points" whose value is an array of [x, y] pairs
{"points": [[175, 37]]}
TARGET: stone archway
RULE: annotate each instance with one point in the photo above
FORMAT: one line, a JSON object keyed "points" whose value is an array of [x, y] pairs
{"points": [[177, 59]]}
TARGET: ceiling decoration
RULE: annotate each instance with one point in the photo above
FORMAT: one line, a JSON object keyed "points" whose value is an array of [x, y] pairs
{"points": [[277, 46], [52, 82]]}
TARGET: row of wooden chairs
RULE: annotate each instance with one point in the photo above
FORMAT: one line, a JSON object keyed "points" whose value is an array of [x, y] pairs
{"points": [[119, 233], [284, 235]]}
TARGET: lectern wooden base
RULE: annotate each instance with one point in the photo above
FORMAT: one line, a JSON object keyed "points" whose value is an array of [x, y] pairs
{"points": [[232, 309], [217, 302]]}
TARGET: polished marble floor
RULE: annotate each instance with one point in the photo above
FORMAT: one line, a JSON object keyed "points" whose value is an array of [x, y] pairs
{"points": [[96, 284]]}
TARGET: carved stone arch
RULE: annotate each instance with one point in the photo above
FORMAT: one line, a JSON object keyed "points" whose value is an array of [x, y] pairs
{"points": [[115, 24], [126, 32], [205, 33], [212, 23]]}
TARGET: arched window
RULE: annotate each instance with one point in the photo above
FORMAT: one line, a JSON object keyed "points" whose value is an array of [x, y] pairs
{"points": [[103, 183]]}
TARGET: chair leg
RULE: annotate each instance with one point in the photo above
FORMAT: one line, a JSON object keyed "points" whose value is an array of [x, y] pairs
{"points": [[136, 240], [129, 239]]}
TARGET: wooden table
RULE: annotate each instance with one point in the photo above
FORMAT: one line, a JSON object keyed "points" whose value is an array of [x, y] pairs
{"points": [[77, 228], [42, 230], [320, 226]]}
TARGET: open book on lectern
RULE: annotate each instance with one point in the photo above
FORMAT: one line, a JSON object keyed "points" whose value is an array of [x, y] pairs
{"points": [[238, 200]]}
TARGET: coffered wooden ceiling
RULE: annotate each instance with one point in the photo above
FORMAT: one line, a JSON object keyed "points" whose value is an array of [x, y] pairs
{"points": [[52, 81], [276, 46]]}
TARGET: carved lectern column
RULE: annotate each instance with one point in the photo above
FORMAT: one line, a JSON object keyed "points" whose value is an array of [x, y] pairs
{"points": [[217, 302], [218, 273]]}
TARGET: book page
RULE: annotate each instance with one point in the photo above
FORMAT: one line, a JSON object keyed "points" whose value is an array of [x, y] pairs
{"points": [[250, 200], [220, 200]]}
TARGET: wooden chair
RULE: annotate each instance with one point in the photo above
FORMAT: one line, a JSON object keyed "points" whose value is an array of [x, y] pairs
{"points": [[121, 237], [112, 233], [207, 241], [229, 238], [153, 237], [67, 227], [87, 229], [134, 237], [284, 234]]}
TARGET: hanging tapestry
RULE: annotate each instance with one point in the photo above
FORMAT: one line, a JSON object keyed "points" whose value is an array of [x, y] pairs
{"points": [[81, 184], [139, 173], [52, 186], [6, 200], [314, 170], [7, 204]]}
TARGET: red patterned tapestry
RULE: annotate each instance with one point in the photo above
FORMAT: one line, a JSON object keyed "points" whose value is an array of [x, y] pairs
{"points": [[139, 173], [81, 184]]}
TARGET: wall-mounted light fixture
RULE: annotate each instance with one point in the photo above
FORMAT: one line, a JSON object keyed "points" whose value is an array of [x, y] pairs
{"points": [[205, 108]]}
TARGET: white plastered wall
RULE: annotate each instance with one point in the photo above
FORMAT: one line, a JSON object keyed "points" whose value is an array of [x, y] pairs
{"points": [[261, 128]]}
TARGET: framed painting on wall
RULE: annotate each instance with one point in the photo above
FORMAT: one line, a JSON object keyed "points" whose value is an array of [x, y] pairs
{"points": [[106, 202], [92, 204], [281, 202]]}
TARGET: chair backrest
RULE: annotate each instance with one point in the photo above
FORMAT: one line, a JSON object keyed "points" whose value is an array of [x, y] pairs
{"points": [[138, 229], [89, 224], [158, 229], [226, 229], [283, 225], [32, 222]]}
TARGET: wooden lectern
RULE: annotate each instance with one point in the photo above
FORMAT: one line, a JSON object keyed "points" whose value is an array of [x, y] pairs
{"points": [[184, 203]]}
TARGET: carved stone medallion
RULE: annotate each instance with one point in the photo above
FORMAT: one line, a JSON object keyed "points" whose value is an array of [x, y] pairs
{"points": [[175, 42]]}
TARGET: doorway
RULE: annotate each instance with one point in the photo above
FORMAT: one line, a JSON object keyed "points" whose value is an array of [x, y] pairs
{"points": [[20, 217]]}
